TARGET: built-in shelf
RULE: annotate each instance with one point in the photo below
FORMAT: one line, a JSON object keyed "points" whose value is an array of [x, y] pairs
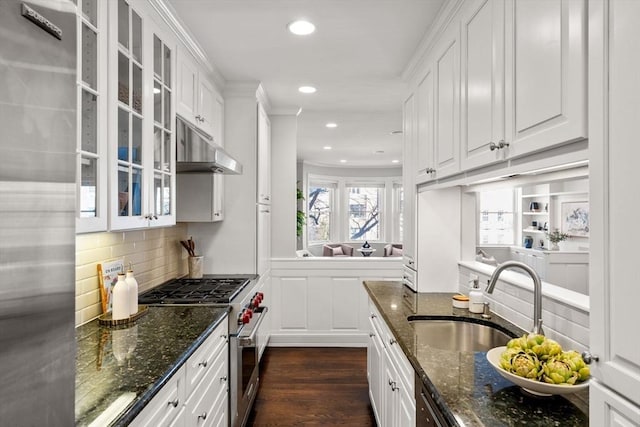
{"points": [[529, 230]]}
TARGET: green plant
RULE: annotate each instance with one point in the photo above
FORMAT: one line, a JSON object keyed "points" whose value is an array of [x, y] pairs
{"points": [[300, 217], [557, 236]]}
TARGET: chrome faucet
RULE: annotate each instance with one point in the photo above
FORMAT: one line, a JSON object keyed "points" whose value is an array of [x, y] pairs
{"points": [[537, 290]]}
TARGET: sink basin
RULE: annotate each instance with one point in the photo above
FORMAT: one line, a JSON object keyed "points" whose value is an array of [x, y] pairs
{"points": [[458, 334]]}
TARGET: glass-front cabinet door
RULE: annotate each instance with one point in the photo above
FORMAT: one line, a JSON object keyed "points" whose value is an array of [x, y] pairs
{"points": [[163, 133], [91, 210], [141, 117]]}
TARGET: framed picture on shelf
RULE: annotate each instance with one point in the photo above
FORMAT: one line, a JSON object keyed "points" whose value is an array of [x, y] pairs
{"points": [[575, 218]]}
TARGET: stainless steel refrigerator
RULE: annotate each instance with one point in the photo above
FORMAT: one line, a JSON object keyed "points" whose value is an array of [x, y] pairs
{"points": [[37, 212]]}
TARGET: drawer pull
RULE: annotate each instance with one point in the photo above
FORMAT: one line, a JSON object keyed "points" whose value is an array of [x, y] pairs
{"points": [[392, 341], [203, 416], [223, 379], [203, 364], [174, 403]]}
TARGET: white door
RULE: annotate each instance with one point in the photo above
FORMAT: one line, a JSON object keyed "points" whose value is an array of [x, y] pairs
{"points": [[423, 153], [545, 74], [482, 86], [206, 105], [408, 181], [446, 103], [187, 91], [614, 90], [264, 157]]}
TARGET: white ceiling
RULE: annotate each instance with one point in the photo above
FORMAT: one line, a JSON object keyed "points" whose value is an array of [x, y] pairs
{"points": [[355, 60]]}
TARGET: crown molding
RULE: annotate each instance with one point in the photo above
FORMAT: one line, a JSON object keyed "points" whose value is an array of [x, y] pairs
{"points": [[445, 15], [170, 17]]}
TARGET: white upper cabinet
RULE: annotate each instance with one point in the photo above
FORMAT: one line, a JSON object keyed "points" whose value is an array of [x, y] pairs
{"points": [[482, 86], [198, 101], [546, 98], [140, 121], [446, 68], [614, 89], [408, 181], [424, 143], [264, 156]]}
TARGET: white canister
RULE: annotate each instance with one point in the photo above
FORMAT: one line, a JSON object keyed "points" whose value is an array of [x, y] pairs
{"points": [[120, 296], [133, 292]]}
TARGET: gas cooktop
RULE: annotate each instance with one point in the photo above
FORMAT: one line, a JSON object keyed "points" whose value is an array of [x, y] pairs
{"points": [[210, 289]]}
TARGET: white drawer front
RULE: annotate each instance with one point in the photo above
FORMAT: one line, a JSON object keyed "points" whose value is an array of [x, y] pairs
{"points": [[201, 360]]}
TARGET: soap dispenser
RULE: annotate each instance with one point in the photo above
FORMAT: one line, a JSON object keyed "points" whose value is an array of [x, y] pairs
{"points": [[476, 298]]}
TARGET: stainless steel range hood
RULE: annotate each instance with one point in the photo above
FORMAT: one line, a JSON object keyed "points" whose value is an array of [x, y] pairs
{"points": [[198, 153]]}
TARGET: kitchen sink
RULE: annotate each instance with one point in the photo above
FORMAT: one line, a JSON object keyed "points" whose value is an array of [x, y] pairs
{"points": [[459, 334]]}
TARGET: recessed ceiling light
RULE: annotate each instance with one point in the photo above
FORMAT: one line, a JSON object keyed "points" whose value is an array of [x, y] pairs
{"points": [[343, 161], [307, 89], [301, 27], [378, 152], [326, 147], [396, 132], [331, 125], [395, 161]]}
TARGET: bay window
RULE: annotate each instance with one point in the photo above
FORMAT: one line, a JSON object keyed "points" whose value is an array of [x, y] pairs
{"points": [[353, 209]]}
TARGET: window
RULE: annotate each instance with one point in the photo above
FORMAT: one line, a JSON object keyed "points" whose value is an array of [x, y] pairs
{"points": [[365, 203], [398, 212], [496, 217], [353, 209], [319, 211]]}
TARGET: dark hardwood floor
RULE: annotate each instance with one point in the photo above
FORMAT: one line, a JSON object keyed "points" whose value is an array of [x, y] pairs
{"points": [[313, 386]]}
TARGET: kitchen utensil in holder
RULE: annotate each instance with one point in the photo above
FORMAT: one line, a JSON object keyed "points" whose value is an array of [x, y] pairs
{"points": [[195, 267]]}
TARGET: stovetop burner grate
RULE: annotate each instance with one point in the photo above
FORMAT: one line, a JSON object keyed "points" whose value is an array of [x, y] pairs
{"points": [[195, 291]]}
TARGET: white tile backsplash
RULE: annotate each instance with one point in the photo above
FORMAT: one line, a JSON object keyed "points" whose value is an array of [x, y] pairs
{"points": [[566, 324], [156, 256]]}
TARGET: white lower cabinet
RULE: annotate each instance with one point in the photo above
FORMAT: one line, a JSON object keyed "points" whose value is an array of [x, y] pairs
{"points": [[607, 408], [391, 376], [167, 406], [198, 393]]}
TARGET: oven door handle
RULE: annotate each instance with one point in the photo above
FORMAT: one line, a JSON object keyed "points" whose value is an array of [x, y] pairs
{"points": [[249, 340]]}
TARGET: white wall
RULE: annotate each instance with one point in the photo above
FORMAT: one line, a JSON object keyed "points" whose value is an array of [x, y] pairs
{"points": [[229, 246], [284, 128]]}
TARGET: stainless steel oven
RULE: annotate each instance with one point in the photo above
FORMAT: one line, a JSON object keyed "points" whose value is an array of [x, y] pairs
{"points": [[245, 317], [246, 346]]}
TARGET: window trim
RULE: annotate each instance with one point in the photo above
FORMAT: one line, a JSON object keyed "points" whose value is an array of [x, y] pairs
{"points": [[389, 206]]}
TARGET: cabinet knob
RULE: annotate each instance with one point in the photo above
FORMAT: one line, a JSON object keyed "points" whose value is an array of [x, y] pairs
{"points": [[216, 214], [493, 146], [203, 364], [392, 341], [371, 335], [588, 357], [502, 144], [174, 403], [373, 316], [203, 416], [223, 379]]}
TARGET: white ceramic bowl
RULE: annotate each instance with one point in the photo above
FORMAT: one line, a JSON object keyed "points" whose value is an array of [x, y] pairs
{"points": [[534, 387]]}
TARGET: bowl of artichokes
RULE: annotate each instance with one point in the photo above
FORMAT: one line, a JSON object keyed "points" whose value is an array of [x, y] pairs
{"points": [[540, 366]]}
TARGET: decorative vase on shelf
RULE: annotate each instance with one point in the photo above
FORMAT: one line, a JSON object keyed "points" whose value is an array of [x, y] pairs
{"points": [[528, 242], [366, 245], [555, 246]]}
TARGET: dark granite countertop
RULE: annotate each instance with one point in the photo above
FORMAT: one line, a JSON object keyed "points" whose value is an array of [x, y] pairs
{"points": [[123, 368], [467, 389]]}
